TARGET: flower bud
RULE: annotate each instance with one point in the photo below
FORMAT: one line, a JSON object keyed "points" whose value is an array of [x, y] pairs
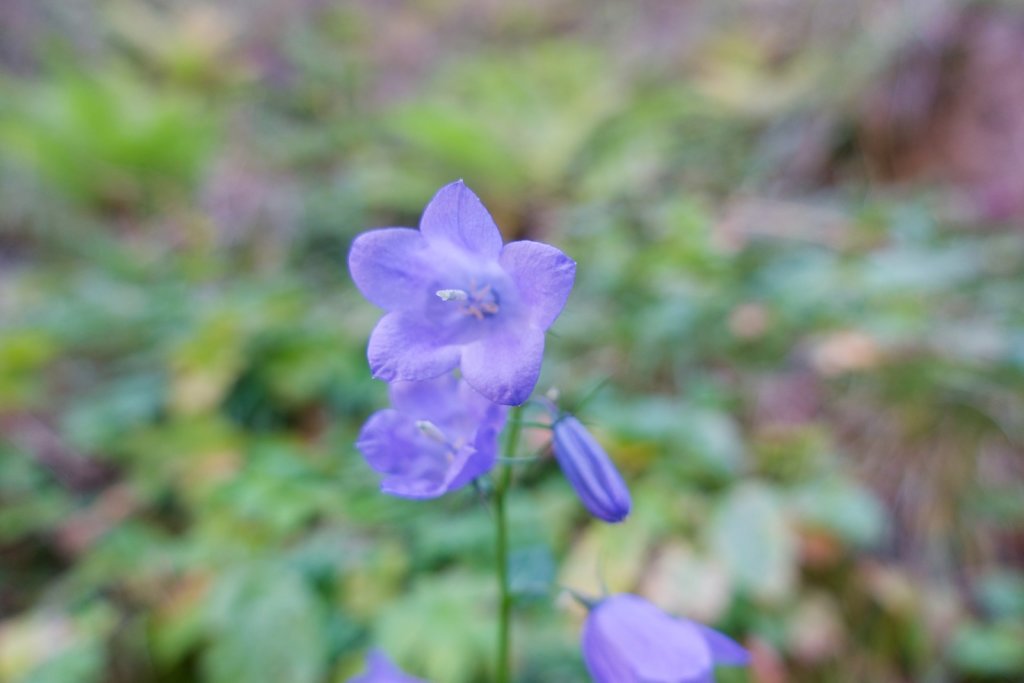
{"points": [[590, 471]]}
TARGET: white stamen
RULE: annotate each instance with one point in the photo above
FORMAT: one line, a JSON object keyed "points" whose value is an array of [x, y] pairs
{"points": [[452, 294], [431, 431]]}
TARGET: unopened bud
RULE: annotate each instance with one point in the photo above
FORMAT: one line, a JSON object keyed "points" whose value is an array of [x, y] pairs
{"points": [[590, 471]]}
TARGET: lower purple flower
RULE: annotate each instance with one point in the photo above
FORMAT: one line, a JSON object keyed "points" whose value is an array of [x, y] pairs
{"points": [[628, 640], [379, 669], [590, 471], [438, 436]]}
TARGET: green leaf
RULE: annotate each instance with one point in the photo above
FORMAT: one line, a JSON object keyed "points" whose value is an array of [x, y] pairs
{"points": [[443, 629], [703, 438], [751, 534], [843, 507], [110, 138], [101, 419], [989, 649], [266, 627], [80, 663], [23, 355], [1001, 593]]}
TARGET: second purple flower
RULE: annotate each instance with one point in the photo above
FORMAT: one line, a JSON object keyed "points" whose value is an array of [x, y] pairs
{"points": [[437, 436]]}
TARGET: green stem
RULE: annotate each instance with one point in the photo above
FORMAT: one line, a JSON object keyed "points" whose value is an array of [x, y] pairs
{"points": [[534, 424], [504, 479]]}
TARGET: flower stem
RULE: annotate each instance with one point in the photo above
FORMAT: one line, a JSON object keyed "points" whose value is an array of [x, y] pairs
{"points": [[503, 668]]}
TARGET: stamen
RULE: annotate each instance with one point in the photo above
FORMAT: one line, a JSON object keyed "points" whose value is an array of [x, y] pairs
{"points": [[479, 302], [452, 294], [430, 430], [455, 447]]}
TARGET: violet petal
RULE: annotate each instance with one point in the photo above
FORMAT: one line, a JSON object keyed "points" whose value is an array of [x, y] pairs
{"points": [[544, 277], [724, 649], [457, 216], [505, 367], [390, 267], [647, 643], [405, 347]]}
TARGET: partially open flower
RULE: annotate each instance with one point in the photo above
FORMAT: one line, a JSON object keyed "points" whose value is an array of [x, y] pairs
{"points": [[438, 436], [379, 669], [590, 471], [455, 296], [628, 640]]}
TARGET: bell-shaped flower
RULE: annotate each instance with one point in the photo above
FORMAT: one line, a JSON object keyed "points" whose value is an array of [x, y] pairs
{"points": [[628, 640], [380, 669], [455, 296], [590, 471], [437, 436]]}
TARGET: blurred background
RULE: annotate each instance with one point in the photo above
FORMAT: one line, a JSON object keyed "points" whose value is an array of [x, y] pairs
{"points": [[798, 315]]}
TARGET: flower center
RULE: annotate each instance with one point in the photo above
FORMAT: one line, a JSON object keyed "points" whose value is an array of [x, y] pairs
{"points": [[479, 302]]}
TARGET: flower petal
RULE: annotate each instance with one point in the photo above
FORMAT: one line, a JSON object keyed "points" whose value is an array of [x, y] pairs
{"points": [[480, 412], [457, 216], [603, 660], [648, 643], [435, 399], [505, 365], [724, 649], [414, 465], [377, 441], [435, 478], [469, 463], [405, 347], [391, 267], [389, 440], [484, 450], [543, 275]]}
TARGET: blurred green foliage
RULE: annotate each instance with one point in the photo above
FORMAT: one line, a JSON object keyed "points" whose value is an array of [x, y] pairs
{"points": [[108, 140], [816, 394]]}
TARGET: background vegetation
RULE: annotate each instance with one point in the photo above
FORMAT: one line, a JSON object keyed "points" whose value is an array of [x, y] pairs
{"points": [[801, 268]]}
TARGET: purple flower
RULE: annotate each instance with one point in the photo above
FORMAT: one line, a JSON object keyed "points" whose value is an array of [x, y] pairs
{"points": [[379, 669], [438, 436], [628, 640], [456, 297], [590, 471]]}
